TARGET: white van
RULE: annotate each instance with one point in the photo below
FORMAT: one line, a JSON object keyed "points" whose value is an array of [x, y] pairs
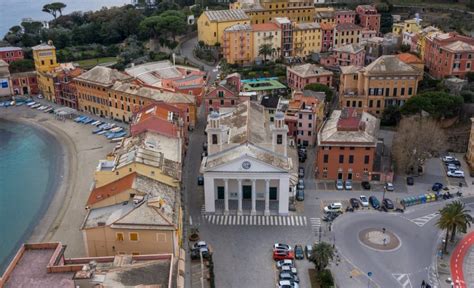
{"points": [[333, 207]]}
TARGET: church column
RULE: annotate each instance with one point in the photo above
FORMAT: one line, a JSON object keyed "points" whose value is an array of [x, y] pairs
{"points": [[254, 198], [267, 196], [239, 209], [226, 196]]}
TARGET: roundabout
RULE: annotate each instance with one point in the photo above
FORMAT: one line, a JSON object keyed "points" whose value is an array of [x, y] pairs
{"points": [[392, 246]]}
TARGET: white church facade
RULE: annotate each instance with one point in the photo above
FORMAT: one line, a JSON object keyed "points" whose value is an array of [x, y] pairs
{"points": [[250, 169]]}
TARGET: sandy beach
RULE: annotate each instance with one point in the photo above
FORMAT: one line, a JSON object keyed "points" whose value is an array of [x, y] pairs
{"points": [[81, 151]]}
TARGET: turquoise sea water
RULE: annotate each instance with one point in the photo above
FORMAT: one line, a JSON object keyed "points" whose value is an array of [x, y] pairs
{"points": [[29, 162]]}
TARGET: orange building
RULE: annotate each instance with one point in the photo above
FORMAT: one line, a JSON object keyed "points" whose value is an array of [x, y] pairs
{"points": [[347, 145], [93, 90], [238, 44]]}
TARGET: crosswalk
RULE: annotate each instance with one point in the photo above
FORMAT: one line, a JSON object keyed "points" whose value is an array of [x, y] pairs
{"points": [[256, 220], [403, 279], [420, 221], [316, 227]]}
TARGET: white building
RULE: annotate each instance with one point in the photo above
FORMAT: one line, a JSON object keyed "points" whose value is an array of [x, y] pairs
{"points": [[250, 169]]}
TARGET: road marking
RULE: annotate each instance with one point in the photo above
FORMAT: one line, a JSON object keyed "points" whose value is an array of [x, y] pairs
{"points": [[420, 221], [315, 226], [259, 220], [403, 279]]}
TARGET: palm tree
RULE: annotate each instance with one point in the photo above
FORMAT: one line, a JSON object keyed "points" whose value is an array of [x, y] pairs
{"points": [[321, 255], [265, 50], [454, 217]]}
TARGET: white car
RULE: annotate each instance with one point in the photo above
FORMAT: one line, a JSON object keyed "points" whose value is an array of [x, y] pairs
{"points": [[289, 269], [333, 207], [279, 246], [456, 173], [286, 262], [449, 158], [452, 167], [348, 185], [288, 283], [389, 186], [364, 201], [339, 185]]}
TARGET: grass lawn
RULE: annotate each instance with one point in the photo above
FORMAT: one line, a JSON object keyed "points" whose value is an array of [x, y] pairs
{"points": [[89, 63]]}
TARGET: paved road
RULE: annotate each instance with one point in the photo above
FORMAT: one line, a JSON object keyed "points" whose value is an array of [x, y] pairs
{"points": [[458, 259]]}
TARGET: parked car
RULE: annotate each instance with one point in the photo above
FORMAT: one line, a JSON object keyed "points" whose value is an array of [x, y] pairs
{"points": [[299, 254], [437, 187], [286, 262], [301, 172], [387, 203], [449, 158], [330, 216], [280, 246], [289, 276], [287, 284], [309, 250], [289, 268], [374, 202], [410, 181], [364, 201], [348, 185], [389, 187], [283, 254], [339, 185], [366, 185], [451, 167], [301, 184], [455, 162], [196, 253], [200, 244], [300, 195], [354, 203], [302, 159], [455, 173], [200, 180], [333, 207]]}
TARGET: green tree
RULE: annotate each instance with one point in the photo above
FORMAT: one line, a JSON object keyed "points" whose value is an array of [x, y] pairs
{"points": [[167, 25], [321, 255], [439, 104], [23, 65], [469, 75], [265, 50], [321, 88], [54, 8], [454, 217], [391, 116]]}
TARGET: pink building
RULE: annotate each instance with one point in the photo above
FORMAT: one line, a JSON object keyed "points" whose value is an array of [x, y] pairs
{"points": [[305, 112], [345, 16], [225, 94], [350, 54], [327, 31], [24, 83], [449, 54], [367, 34], [368, 17], [301, 75], [10, 54]]}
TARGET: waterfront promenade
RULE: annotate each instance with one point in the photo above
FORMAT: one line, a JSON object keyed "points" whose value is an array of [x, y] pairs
{"points": [[81, 152]]}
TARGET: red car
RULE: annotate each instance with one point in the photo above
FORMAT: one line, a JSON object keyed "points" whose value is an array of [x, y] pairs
{"points": [[283, 255]]}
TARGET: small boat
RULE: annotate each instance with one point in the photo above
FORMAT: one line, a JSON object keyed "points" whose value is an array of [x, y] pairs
{"points": [[116, 129], [12, 103], [19, 103], [48, 109], [101, 132], [107, 127], [79, 119], [29, 104], [83, 120], [117, 139], [121, 134], [96, 130], [41, 108], [88, 121], [95, 123], [109, 135], [35, 106], [104, 125]]}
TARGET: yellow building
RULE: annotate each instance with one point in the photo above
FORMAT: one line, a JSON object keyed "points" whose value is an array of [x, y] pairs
{"points": [[407, 26], [270, 34], [153, 155], [470, 147], [346, 33], [306, 39], [211, 24], [386, 81], [422, 35], [44, 56], [266, 10], [238, 45], [142, 216]]}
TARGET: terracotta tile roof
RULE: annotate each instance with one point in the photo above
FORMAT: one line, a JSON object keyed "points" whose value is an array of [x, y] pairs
{"points": [[111, 189], [327, 26], [265, 27], [408, 58]]}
